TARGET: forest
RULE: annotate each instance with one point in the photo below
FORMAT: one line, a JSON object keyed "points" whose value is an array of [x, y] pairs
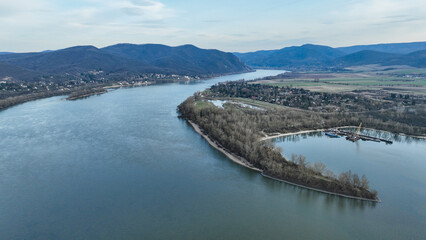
{"points": [[394, 113], [239, 130]]}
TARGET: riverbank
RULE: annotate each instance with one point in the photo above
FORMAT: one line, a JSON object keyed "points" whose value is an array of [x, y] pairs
{"points": [[20, 99], [243, 162], [16, 100], [239, 160], [269, 137], [86, 93], [322, 191]]}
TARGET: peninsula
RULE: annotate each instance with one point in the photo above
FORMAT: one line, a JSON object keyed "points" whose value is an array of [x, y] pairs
{"points": [[236, 117]]}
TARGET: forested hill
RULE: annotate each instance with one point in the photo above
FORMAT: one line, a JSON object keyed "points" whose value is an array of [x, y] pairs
{"points": [[307, 55], [314, 57], [20, 73], [124, 59], [184, 59], [398, 48]]}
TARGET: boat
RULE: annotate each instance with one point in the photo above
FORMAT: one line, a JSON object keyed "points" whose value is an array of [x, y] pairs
{"points": [[331, 134]]}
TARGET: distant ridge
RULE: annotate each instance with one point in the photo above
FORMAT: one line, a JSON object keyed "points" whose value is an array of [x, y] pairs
{"points": [[415, 59], [15, 72], [123, 59], [305, 55], [399, 48], [313, 57], [185, 59], [75, 60], [365, 57]]}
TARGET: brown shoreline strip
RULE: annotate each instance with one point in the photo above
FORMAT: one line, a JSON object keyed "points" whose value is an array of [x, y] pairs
{"points": [[322, 191], [245, 163], [239, 160], [278, 135]]}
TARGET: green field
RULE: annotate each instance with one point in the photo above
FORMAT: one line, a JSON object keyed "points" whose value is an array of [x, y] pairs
{"points": [[344, 83], [409, 71], [203, 104]]}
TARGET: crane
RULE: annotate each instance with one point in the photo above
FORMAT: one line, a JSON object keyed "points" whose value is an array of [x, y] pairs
{"points": [[354, 136], [358, 129]]}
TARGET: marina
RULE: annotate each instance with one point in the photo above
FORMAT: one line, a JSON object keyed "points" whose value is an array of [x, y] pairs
{"points": [[354, 136]]}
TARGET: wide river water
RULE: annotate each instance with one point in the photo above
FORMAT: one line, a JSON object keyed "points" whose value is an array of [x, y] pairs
{"points": [[123, 166]]}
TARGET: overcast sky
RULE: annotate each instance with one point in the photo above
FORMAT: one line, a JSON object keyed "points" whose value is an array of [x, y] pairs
{"points": [[229, 25]]}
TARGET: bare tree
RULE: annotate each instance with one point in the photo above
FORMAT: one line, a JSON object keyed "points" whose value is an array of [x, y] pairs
{"points": [[319, 167], [355, 180], [301, 161], [293, 157], [364, 182], [329, 173]]}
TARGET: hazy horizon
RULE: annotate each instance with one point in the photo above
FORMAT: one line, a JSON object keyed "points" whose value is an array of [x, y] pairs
{"points": [[237, 26], [46, 50]]}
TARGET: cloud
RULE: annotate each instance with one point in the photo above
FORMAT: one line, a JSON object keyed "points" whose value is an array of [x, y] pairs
{"points": [[381, 11], [144, 3], [18, 7], [129, 12], [364, 22], [213, 21], [47, 24], [85, 11]]}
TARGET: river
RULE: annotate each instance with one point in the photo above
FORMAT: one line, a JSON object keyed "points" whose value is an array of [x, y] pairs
{"points": [[123, 166]]}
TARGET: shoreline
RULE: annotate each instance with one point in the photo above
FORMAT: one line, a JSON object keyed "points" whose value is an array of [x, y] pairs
{"points": [[268, 137], [244, 163], [322, 191], [239, 160], [24, 98], [86, 95]]}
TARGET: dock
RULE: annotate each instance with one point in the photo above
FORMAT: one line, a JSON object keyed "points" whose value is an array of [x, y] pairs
{"points": [[354, 136]]}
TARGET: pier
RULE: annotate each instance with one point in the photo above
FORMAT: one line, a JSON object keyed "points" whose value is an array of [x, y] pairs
{"points": [[354, 136]]}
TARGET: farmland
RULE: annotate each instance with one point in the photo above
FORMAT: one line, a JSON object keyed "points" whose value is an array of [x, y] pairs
{"points": [[399, 80]]}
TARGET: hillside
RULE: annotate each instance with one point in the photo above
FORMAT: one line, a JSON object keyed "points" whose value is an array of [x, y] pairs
{"points": [[182, 59], [312, 57], [293, 57], [365, 57], [76, 60], [398, 48], [10, 72], [415, 59], [125, 59]]}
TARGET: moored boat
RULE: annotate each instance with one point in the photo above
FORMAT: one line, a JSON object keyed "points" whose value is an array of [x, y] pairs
{"points": [[331, 134]]}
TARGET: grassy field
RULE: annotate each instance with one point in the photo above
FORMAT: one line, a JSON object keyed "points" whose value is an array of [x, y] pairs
{"points": [[203, 104], [412, 81], [256, 103]]}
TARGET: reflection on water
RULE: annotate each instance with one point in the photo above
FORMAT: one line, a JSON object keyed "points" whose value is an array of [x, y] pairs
{"points": [[368, 132], [297, 137], [397, 171], [323, 200], [123, 166]]}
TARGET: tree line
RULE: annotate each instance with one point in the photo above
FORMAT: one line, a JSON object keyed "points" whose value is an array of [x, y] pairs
{"points": [[238, 130], [332, 109]]}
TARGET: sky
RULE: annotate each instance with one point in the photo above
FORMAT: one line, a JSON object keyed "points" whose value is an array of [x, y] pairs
{"points": [[228, 25]]}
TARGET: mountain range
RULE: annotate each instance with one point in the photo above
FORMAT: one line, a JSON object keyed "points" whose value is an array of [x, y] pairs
{"points": [[130, 59], [399, 48], [120, 58], [310, 56]]}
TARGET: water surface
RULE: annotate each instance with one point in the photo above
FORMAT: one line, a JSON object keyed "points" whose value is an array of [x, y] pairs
{"points": [[397, 171], [123, 166]]}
